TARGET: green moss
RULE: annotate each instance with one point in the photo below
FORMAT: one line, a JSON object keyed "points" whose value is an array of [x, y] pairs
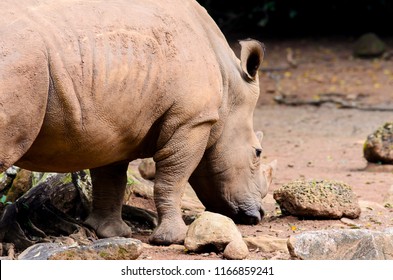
{"points": [[104, 255]]}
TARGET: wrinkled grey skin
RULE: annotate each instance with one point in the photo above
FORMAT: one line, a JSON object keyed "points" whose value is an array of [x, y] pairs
{"points": [[97, 84]]}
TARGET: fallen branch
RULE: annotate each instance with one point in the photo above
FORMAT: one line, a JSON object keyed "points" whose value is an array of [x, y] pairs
{"points": [[329, 98]]}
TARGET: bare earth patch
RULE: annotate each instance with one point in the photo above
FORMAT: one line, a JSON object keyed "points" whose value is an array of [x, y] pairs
{"points": [[324, 70]]}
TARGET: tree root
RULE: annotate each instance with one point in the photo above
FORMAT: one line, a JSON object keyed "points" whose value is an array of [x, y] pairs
{"points": [[57, 206]]}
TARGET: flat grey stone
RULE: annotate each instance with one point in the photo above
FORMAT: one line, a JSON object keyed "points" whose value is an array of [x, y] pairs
{"points": [[116, 248], [350, 244]]}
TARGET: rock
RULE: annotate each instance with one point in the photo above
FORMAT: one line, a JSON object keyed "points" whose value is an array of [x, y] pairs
{"points": [[369, 45], [378, 147], [136, 184], [41, 251], [213, 232], [236, 250], [116, 248], [190, 201], [20, 185], [349, 244], [147, 168], [6, 180], [317, 199], [350, 223], [267, 243], [366, 205], [143, 189]]}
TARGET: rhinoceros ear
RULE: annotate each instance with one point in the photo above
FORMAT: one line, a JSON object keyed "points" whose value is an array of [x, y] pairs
{"points": [[251, 57]]}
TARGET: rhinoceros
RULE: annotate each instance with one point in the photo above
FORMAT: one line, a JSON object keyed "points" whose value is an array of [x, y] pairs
{"points": [[97, 84]]}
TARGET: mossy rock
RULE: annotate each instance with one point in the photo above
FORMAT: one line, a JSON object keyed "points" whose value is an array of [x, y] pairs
{"points": [[20, 185], [378, 147], [368, 46], [317, 199]]}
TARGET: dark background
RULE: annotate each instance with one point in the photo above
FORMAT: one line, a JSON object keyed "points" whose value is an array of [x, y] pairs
{"points": [[307, 18]]}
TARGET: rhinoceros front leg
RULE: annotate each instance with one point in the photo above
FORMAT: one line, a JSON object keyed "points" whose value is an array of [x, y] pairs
{"points": [[175, 163], [109, 183]]}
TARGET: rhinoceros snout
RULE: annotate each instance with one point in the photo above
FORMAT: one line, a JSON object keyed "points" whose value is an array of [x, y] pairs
{"points": [[250, 217]]}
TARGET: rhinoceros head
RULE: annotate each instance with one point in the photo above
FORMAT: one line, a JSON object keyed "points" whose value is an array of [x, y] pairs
{"points": [[230, 179]]}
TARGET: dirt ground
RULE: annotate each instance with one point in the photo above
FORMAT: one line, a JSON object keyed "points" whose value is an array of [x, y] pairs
{"points": [[316, 142]]}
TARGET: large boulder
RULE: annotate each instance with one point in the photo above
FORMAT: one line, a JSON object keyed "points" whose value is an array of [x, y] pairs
{"points": [[147, 168], [369, 45], [215, 232], [317, 199], [349, 244], [378, 147]]}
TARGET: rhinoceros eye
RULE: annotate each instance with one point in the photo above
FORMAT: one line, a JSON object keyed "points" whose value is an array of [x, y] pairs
{"points": [[258, 152]]}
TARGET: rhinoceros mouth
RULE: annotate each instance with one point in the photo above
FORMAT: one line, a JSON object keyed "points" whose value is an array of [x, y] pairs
{"points": [[249, 217], [245, 217]]}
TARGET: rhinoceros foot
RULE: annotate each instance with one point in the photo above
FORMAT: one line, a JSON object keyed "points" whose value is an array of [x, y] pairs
{"points": [[108, 227], [169, 233]]}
